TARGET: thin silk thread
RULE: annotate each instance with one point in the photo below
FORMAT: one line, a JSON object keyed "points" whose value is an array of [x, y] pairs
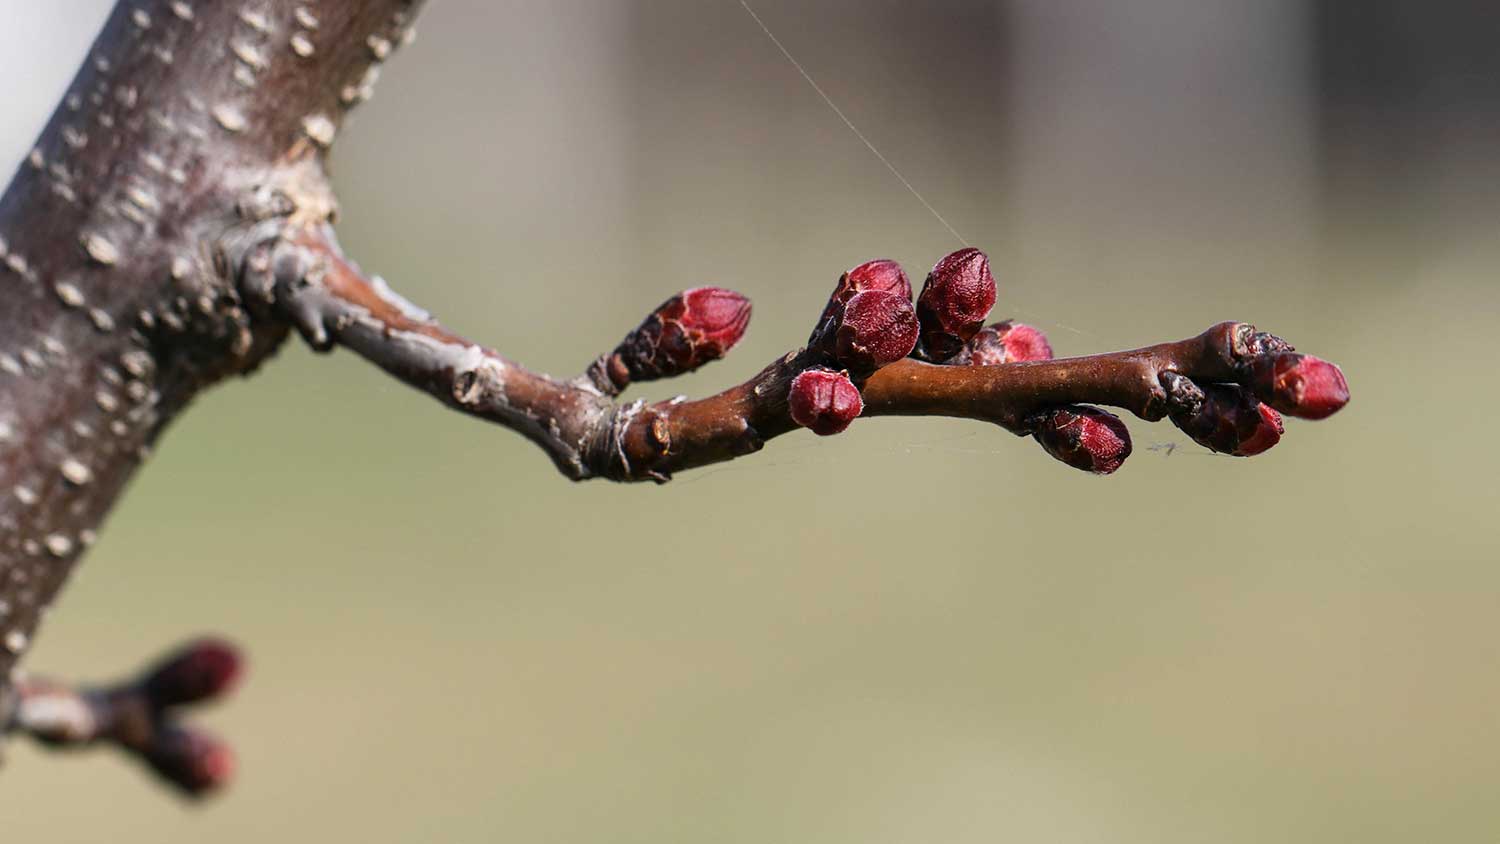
{"points": [[847, 122]]}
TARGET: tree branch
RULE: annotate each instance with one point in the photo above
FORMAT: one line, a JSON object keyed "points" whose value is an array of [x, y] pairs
{"points": [[139, 716], [588, 434]]}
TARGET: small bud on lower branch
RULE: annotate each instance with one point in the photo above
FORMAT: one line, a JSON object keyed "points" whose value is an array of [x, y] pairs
{"points": [[1299, 385], [194, 761], [882, 274], [201, 671], [685, 332], [1004, 342], [954, 303], [141, 716], [1222, 417], [1083, 437], [824, 401]]}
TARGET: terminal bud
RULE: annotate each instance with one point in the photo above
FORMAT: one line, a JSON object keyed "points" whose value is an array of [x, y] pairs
{"points": [[685, 332]]}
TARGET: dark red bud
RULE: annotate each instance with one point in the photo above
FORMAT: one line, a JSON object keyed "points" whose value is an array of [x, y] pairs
{"points": [[193, 761], [954, 302], [684, 333], [203, 670], [824, 401], [1267, 433], [1299, 385], [1004, 342], [1230, 420], [1084, 437], [876, 328], [882, 274]]}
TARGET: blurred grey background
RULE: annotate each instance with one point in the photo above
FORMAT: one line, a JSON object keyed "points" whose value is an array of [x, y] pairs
{"points": [[924, 629]]}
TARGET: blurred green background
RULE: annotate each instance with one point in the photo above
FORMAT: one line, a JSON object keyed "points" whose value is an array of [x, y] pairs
{"points": [[924, 629]]}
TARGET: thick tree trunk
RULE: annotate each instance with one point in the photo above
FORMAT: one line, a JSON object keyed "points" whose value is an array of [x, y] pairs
{"points": [[193, 134]]}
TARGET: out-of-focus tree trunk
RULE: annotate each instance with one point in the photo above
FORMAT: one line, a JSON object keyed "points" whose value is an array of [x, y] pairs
{"points": [[191, 126]]}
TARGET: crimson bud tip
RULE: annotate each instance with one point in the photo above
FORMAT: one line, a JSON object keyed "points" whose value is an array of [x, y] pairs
{"points": [[1085, 438], [685, 332], [954, 302], [1300, 385], [202, 670]]}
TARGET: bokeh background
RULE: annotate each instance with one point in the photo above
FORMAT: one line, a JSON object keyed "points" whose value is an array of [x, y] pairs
{"points": [[924, 629]]}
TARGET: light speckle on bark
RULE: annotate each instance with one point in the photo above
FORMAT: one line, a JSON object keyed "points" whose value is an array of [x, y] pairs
{"points": [[320, 129], [256, 20], [101, 249], [380, 47], [230, 118], [302, 45], [59, 545], [249, 54], [76, 472], [69, 294]]}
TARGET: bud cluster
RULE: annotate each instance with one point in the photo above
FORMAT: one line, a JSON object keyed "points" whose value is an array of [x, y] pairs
{"points": [[188, 758], [869, 321]]}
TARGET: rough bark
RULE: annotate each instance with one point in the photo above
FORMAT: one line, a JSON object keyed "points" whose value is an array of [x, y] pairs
{"points": [[192, 130]]}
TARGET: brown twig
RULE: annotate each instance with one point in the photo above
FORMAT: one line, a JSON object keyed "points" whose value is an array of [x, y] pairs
{"points": [[590, 435], [139, 716]]}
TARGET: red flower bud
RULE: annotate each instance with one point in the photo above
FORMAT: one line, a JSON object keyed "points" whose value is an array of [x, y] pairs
{"points": [[193, 761], [1299, 385], [1229, 420], [882, 274], [1084, 437], [1004, 342], [202, 670], [824, 401], [685, 332], [874, 329], [954, 302]]}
